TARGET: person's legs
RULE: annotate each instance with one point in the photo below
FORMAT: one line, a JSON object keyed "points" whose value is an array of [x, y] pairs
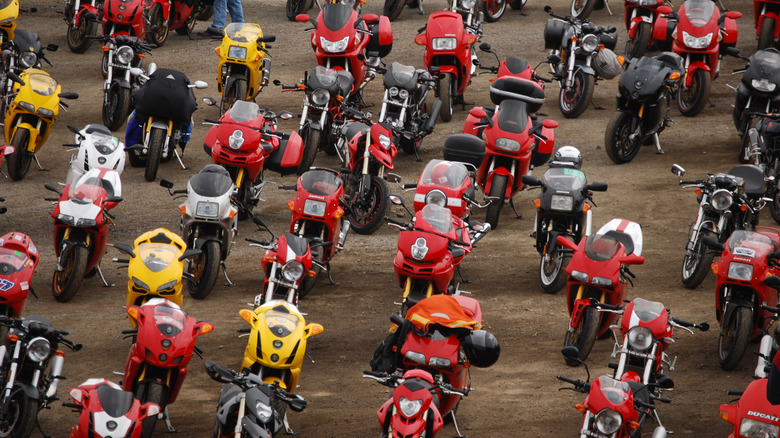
{"points": [[220, 14], [236, 11]]}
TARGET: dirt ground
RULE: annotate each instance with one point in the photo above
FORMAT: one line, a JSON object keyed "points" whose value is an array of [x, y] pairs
{"points": [[518, 396]]}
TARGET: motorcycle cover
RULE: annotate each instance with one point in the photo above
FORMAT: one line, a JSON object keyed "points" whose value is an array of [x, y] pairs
{"points": [[166, 95]]}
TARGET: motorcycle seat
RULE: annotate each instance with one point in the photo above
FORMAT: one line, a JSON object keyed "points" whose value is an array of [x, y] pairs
{"points": [[94, 127], [354, 129], [753, 179], [623, 238]]}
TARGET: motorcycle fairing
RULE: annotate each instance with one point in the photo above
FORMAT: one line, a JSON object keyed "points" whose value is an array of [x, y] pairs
{"points": [[608, 393], [753, 405], [86, 11], [401, 76], [335, 16], [645, 313]]}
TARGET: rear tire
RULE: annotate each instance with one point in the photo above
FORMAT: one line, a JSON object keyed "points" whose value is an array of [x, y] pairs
{"points": [[393, 8], [493, 9], [295, 7], [154, 155], [574, 101], [115, 113], [77, 36], [733, 339], [766, 33], [65, 283], [582, 8], [156, 19], [205, 269], [620, 148], [497, 191], [584, 335], [369, 217], [446, 95], [19, 161]]}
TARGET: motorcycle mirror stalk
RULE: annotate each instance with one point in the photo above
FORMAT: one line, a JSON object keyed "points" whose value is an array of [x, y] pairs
{"points": [[572, 355], [397, 200]]}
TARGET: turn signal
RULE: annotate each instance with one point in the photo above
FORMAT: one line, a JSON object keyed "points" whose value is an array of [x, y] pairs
{"points": [[269, 259], [674, 75], [697, 191], [311, 274], [580, 407], [141, 56], [724, 414], [183, 208], [621, 60], [633, 425], [247, 315], [601, 47], [301, 86], [217, 51], [257, 57], [232, 213], [133, 312], [340, 98], [574, 39], [105, 48], [207, 327], [743, 207], [491, 80], [59, 353], [538, 202], [339, 213], [714, 268], [291, 205], [13, 338], [586, 207]]}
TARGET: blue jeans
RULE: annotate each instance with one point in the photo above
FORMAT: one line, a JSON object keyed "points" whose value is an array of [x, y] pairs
{"points": [[222, 7]]}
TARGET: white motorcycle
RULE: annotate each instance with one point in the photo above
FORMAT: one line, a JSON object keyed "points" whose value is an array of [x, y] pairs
{"points": [[209, 222], [97, 148]]}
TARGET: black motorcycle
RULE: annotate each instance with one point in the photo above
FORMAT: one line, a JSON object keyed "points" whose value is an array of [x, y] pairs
{"points": [[404, 106], [248, 407], [563, 210], [763, 149], [644, 95], [124, 52], [758, 92], [577, 59], [728, 202]]}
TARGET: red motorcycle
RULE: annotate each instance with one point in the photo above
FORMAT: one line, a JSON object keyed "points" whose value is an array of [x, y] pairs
{"points": [[82, 17], [753, 415], [427, 361], [642, 24], [741, 296], [124, 17], [163, 344], [344, 40], [765, 14], [166, 15], [514, 140], [318, 217], [245, 142], [701, 36], [105, 410], [598, 270], [448, 46], [18, 259]]}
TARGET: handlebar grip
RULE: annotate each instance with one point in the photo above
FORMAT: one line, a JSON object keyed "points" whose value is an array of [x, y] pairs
{"points": [[568, 380], [390, 220], [374, 373], [244, 330], [396, 319], [290, 187]]}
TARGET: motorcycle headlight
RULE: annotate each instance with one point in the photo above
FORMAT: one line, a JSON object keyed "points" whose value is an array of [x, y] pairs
{"points": [[757, 429], [420, 249], [84, 222], [561, 203], [697, 43], [320, 96], [28, 59], [590, 43], [436, 197], [467, 4], [167, 286], [393, 91], [507, 144], [385, 141], [444, 43], [27, 106], [403, 94], [292, 270], [263, 411], [410, 408], [721, 200], [45, 112], [763, 85], [740, 271], [207, 209], [415, 356], [237, 52], [439, 362], [65, 219], [38, 349], [334, 46], [314, 208], [140, 284], [124, 55], [601, 281], [236, 139], [640, 338], [579, 276], [608, 421]]}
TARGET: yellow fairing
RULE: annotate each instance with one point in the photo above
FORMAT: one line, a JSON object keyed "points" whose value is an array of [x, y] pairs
{"points": [[38, 100], [156, 271], [9, 12], [240, 48], [282, 333]]}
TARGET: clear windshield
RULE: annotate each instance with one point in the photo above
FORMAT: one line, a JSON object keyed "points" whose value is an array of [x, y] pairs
{"points": [[699, 12], [169, 320], [105, 144], [157, 256], [42, 84], [600, 247], [11, 261], [440, 218], [745, 243], [562, 178], [242, 32], [647, 310], [615, 391], [444, 173], [320, 182], [280, 322], [88, 188], [326, 76], [402, 73], [243, 111]]}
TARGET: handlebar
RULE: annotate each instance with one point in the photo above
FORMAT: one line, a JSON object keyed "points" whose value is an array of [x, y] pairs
{"points": [[685, 324]]}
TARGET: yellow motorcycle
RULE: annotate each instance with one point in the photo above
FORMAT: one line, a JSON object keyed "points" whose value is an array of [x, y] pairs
{"points": [[283, 332], [156, 266], [34, 105], [244, 66]]}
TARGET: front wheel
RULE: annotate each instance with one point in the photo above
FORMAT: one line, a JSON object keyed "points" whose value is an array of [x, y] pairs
{"points": [[619, 139], [393, 8], [65, 283], [308, 282], [20, 419], [235, 89], [150, 392], [733, 338], [156, 19], [205, 270], [574, 100], [697, 263], [766, 33], [493, 9], [582, 8], [78, 41], [116, 108], [154, 154], [551, 273], [584, 335], [447, 95], [19, 161], [637, 47], [367, 214], [296, 7], [497, 192], [311, 138], [691, 100]]}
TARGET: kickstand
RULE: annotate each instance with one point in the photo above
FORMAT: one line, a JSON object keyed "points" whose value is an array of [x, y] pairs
{"points": [[330, 277], [455, 423], [175, 152], [512, 204], [460, 274], [38, 424], [712, 105], [606, 3], [35, 157], [167, 420], [100, 273], [287, 429], [596, 106], [224, 271]]}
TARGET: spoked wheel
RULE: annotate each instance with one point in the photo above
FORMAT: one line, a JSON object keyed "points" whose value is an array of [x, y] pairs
{"points": [[205, 270], [447, 95], [311, 142], [497, 192], [691, 100], [235, 89], [156, 19], [733, 338], [621, 148], [551, 273], [295, 7], [65, 283], [766, 33], [493, 9], [574, 100], [696, 265], [77, 35], [154, 154], [582, 8], [19, 161], [19, 421], [367, 215], [584, 335], [117, 107], [393, 8], [637, 47]]}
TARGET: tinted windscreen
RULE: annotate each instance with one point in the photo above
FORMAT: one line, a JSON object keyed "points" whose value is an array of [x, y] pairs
{"points": [[336, 15]]}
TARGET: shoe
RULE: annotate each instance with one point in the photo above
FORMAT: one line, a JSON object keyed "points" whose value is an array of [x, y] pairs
{"points": [[214, 31]]}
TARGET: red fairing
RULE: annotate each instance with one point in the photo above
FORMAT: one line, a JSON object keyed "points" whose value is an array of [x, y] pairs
{"points": [[293, 153], [385, 33], [752, 405], [92, 412], [448, 24], [662, 28], [601, 397], [546, 146], [326, 189], [730, 31], [18, 252], [659, 325], [132, 22]]}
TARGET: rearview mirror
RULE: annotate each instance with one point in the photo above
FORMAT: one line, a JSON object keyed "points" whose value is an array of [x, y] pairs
{"points": [[167, 184], [678, 170]]}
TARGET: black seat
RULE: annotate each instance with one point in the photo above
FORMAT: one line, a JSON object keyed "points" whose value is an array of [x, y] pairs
{"points": [[94, 127], [355, 128], [623, 238], [753, 179], [672, 60]]}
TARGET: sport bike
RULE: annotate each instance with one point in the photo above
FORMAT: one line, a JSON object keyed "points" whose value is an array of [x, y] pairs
{"points": [[18, 260], [244, 66], [82, 17], [752, 415], [96, 147], [757, 93], [642, 26]]}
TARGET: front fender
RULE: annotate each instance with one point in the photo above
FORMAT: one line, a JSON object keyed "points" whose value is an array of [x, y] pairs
{"points": [[581, 65], [635, 24], [577, 309], [695, 65], [33, 138], [731, 307], [122, 83]]}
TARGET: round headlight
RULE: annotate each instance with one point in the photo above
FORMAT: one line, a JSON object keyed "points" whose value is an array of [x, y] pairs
{"points": [[403, 94], [590, 43], [608, 421], [124, 55], [28, 59], [467, 4], [721, 200], [38, 349], [393, 91], [640, 338], [320, 96], [436, 197], [293, 270]]}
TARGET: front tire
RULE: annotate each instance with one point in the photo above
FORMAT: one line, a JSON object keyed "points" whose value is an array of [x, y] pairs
{"points": [[78, 41], [295, 7], [311, 138], [574, 100], [205, 269], [493, 9], [497, 191], [552, 276], [65, 283], [582, 8], [696, 266], [150, 392], [393, 8], [766, 34], [447, 95], [584, 335], [368, 217], [617, 138], [115, 112], [19, 161], [638, 46], [691, 100], [154, 155], [20, 419], [235, 89], [307, 283], [733, 339], [156, 19]]}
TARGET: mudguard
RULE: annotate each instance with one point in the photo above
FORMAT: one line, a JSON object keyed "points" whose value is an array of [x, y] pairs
{"points": [[760, 22], [588, 70], [577, 309], [635, 24], [33, 138], [121, 83], [86, 12], [695, 65], [500, 171]]}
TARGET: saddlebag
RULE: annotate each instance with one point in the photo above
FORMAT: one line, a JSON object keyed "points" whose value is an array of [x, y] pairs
{"points": [[381, 39], [511, 87], [553, 33], [287, 157], [465, 148]]}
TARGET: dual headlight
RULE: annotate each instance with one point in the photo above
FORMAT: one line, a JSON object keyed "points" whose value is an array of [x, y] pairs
{"points": [[697, 43], [334, 46], [420, 248]]}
